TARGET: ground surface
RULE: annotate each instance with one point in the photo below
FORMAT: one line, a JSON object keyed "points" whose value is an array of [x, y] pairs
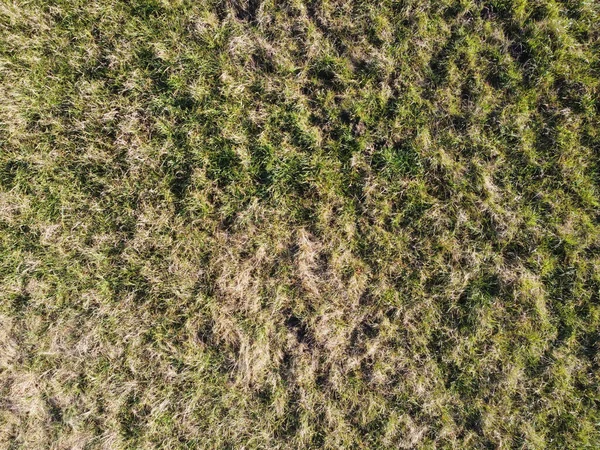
{"points": [[299, 224]]}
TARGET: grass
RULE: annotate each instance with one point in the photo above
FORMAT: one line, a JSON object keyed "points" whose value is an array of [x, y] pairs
{"points": [[299, 224]]}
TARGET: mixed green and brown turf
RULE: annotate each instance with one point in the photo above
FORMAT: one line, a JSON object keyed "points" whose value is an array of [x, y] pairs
{"points": [[299, 224]]}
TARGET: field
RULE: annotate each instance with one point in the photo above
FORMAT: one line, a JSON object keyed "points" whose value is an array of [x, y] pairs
{"points": [[299, 224]]}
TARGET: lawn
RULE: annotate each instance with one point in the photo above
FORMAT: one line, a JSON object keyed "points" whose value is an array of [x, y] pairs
{"points": [[299, 224]]}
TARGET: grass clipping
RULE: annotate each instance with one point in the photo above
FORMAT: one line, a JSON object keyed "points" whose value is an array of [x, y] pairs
{"points": [[295, 224]]}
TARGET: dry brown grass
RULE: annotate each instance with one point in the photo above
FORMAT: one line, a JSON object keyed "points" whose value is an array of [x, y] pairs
{"points": [[299, 224]]}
